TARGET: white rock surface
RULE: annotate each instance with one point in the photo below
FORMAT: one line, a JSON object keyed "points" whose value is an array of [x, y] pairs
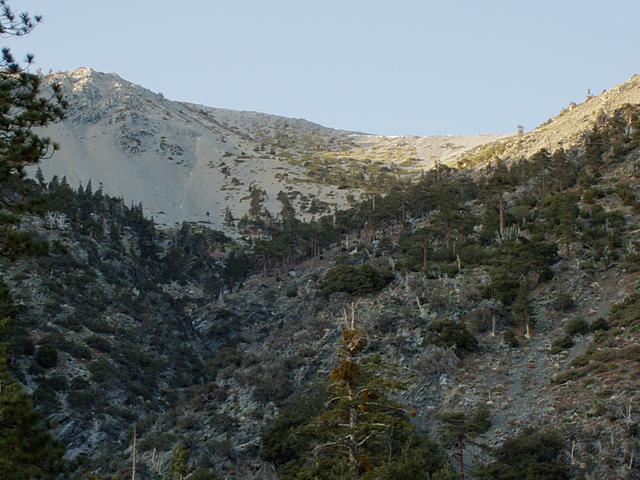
{"points": [[183, 160]]}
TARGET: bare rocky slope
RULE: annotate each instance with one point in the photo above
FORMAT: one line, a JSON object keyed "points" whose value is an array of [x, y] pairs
{"points": [[564, 130], [190, 162]]}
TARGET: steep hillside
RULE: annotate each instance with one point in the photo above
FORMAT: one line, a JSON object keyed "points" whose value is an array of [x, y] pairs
{"points": [[190, 162], [512, 289], [565, 130]]}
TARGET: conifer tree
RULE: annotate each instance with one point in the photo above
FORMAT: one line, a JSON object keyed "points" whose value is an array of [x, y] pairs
{"points": [[457, 428], [530, 455], [522, 309], [257, 196], [362, 433], [24, 107], [27, 451], [287, 213], [178, 466], [229, 221]]}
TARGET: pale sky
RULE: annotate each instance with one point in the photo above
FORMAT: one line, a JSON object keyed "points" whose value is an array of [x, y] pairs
{"points": [[402, 67]]}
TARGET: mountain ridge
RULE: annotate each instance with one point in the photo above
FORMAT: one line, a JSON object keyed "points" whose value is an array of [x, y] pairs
{"points": [[185, 161]]}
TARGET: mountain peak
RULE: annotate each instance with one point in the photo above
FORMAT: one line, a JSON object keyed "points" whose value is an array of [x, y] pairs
{"points": [[190, 162]]}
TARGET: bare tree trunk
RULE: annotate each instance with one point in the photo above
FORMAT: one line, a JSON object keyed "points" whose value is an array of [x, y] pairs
{"points": [[133, 466], [419, 305], [501, 206], [424, 256], [460, 460]]}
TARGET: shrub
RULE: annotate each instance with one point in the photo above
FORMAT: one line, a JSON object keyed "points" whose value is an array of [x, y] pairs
{"points": [[599, 324], [99, 343], [204, 474], [510, 338], [56, 382], [79, 383], [480, 319], [529, 455], [292, 292], [279, 443], [564, 302], [561, 344], [83, 399], [274, 386], [47, 356], [577, 326], [77, 350], [353, 279], [28, 347], [446, 334]]}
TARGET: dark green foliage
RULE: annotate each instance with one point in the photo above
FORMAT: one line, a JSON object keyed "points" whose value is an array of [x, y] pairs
{"points": [[563, 343], [17, 243], [204, 474], [627, 195], [353, 279], [516, 259], [626, 313], [420, 460], [504, 285], [577, 326], [47, 356], [99, 343], [292, 292], [447, 333], [283, 441], [27, 451], [272, 386], [178, 466], [510, 338], [530, 455], [357, 433], [600, 324], [24, 108], [522, 308], [564, 302], [457, 428]]}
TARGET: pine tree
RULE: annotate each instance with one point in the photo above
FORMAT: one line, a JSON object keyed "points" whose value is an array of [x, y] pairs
{"points": [[257, 197], [522, 309], [362, 433], [498, 183], [229, 221], [27, 451], [178, 466], [287, 213], [24, 107], [457, 428]]}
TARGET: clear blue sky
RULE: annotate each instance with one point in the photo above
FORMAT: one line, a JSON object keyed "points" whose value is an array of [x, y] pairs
{"points": [[401, 67]]}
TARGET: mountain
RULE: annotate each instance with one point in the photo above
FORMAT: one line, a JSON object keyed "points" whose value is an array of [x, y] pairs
{"points": [[509, 286], [565, 130], [189, 162]]}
